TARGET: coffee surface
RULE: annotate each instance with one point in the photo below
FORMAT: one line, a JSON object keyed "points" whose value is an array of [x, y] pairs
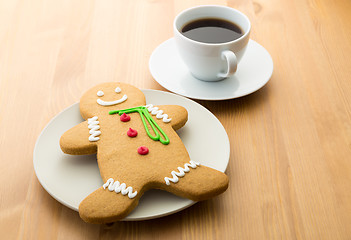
{"points": [[212, 30]]}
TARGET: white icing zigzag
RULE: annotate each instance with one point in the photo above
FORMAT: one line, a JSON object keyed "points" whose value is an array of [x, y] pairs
{"points": [[117, 187], [94, 127], [181, 172], [159, 113]]}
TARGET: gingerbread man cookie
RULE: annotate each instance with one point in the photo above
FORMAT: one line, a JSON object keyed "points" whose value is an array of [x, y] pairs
{"points": [[137, 150]]}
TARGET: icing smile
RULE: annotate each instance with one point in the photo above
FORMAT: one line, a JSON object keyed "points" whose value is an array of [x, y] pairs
{"points": [[110, 103]]}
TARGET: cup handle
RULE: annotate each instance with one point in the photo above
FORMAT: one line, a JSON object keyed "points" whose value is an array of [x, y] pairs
{"points": [[232, 63]]}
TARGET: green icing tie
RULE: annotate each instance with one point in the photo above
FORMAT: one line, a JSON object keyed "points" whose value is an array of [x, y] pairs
{"points": [[144, 113]]}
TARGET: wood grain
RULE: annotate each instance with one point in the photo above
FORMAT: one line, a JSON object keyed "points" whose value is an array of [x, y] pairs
{"points": [[290, 164]]}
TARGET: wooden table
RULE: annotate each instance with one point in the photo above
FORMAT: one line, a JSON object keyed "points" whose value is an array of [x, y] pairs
{"points": [[290, 163]]}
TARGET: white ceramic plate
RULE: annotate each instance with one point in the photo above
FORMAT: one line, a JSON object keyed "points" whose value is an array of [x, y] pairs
{"points": [[254, 71], [69, 179]]}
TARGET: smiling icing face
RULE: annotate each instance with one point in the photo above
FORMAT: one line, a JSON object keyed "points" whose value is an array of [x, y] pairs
{"points": [[110, 103], [105, 97]]}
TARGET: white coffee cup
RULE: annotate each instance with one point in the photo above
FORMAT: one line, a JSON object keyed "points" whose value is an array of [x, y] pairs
{"points": [[211, 61]]}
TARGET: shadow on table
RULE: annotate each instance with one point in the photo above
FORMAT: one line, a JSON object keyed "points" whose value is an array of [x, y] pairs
{"points": [[237, 105], [205, 214]]}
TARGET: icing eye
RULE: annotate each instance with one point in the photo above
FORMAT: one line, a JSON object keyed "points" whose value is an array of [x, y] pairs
{"points": [[100, 93], [118, 90]]}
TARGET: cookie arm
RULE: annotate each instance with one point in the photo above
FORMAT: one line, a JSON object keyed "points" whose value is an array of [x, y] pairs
{"points": [[75, 141], [177, 114]]}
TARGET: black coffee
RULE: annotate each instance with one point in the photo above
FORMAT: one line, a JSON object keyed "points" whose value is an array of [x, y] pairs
{"points": [[212, 30]]}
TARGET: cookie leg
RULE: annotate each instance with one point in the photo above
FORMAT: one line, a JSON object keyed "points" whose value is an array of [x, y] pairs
{"points": [[197, 184], [104, 206]]}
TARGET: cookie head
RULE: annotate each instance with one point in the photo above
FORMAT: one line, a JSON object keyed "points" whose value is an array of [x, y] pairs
{"points": [[110, 96]]}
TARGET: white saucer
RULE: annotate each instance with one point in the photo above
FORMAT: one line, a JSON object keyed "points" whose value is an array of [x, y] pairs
{"points": [[69, 179], [254, 71]]}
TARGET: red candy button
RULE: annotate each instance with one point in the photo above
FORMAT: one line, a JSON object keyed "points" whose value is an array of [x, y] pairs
{"points": [[143, 150], [125, 118], [132, 133]]}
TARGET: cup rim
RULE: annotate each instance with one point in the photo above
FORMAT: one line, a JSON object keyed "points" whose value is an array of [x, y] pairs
{"points": [[212, 44]]}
